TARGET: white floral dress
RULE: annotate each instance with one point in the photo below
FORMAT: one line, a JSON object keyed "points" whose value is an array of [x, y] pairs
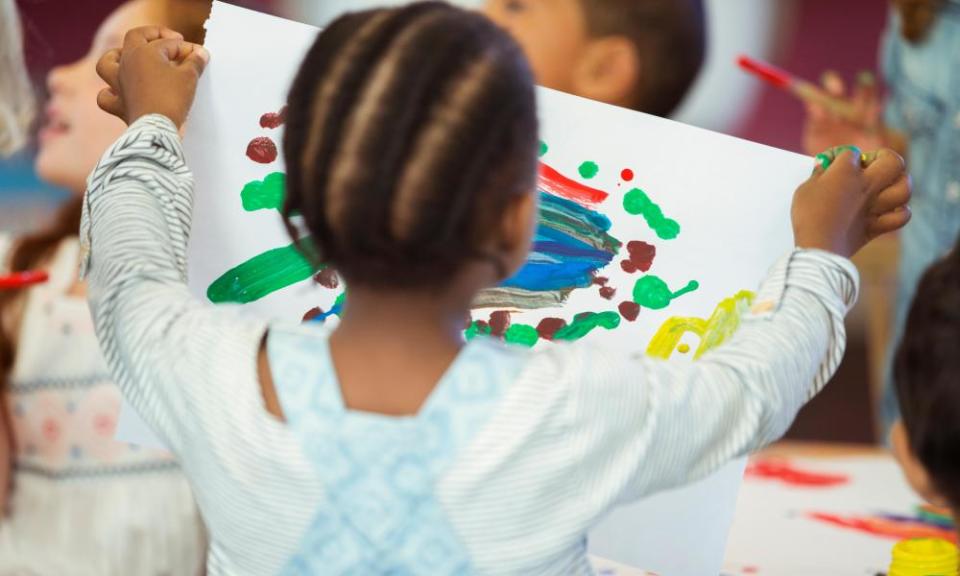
{"points": [[83, 503]]}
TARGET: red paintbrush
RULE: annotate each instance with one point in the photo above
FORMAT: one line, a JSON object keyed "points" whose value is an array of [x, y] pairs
{"points": [[23, 279], [806, 91]]}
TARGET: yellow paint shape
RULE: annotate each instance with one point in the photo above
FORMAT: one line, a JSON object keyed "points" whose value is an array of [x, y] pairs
{"points": [[712, 332]]}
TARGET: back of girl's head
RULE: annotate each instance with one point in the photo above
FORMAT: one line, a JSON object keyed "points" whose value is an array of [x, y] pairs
{"points": [[409, 133], [927, 375]]}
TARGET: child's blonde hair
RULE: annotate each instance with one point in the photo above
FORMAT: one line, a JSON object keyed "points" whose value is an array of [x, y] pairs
{"points": [[16, 94]]}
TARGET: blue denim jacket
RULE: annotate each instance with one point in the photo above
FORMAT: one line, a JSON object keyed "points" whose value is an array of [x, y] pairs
{"points": [[924, 103]]}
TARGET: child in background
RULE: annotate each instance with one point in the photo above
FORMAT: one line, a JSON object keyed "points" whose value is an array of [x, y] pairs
{"points": [[390, 445], [926, 372], [921, 119], [80, 502], [637, 54]]}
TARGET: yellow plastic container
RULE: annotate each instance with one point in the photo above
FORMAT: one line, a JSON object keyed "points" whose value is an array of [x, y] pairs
{"points": [[924, 557]]}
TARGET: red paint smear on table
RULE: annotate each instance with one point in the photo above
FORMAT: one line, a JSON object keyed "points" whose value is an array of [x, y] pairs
{"points": [[786, 472], [629, 310], [557, 184], [885, 527], [274, 119], [262, 150], [626, 175]]}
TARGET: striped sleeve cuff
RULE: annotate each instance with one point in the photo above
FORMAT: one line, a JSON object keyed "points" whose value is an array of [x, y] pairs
{"points": [[152, 139], [831, 277]]}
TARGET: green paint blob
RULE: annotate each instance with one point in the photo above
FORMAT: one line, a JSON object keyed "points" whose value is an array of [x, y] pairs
{"points": [[522, 334], [652, 292], [543, 148], [475, 329], [584, 323], [263, 274], [637, 202], [589, 169], [266, 194]]}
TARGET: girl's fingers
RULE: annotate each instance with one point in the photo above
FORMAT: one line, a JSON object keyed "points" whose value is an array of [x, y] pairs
{"points": [[892, 198], [145, 34], [108, 68], [887, 168], [889, 222], [109, 101]]}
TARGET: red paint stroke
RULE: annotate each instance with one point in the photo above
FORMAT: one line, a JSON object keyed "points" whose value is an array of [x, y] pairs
{"points": [[273, 120], [626, 175], [750, 570], [608, 292], [550, 326], [629, 310], [555, 183], [499, 322], [262, 150], [312, 313], [641, 257], [327, 278], [786, 472], [893, 529]]}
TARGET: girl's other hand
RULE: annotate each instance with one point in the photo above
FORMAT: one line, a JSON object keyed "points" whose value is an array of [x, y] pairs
{"points": [[842, 208], [823, 128], [155, 72]]}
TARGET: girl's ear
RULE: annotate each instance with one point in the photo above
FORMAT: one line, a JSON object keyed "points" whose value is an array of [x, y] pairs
{"points": [[914, 471], [517, 228]]}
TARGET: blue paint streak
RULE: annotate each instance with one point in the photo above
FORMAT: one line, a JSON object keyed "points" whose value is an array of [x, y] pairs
{"points": [[559, 261], [335, 311]]}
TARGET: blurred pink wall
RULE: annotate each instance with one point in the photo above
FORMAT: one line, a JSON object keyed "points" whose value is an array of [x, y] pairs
{"points": [[842, 36]]}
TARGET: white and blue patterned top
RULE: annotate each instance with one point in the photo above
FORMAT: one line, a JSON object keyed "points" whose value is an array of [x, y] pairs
{"points": [[513, 458]]}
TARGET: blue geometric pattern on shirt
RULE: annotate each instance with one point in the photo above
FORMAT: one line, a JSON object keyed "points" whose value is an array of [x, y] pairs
{"points": [[380, 514]]}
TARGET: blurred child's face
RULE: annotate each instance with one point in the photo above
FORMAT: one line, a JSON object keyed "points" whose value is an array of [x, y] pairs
{"points": [[76, 132], [552, 33], [913, 469]]}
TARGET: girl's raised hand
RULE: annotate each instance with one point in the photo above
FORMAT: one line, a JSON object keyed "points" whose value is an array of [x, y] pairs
{"points": [[155, 72], [857, 198]]}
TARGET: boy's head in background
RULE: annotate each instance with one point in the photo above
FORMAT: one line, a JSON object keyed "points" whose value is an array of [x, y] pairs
{"points": [[640, 54], [926, 440]]}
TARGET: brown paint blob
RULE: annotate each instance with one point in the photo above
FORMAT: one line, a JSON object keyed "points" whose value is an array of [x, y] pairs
{"points": [[327, 278], [262, 150], [499, 322], [629, 310], [641, 254], [608, 292], [550, 326], [600, 280], [274, 119], [628, 266], [312, 313]]}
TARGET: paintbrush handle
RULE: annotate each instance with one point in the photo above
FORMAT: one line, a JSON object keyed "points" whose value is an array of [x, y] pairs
{"points": [[809, 92]]}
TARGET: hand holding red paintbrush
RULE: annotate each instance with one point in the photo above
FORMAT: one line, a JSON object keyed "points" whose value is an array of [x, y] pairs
{"points": [[833, 117]]}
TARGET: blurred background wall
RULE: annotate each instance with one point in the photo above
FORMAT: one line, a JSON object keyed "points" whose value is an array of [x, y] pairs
{"points": [[803, 36]]}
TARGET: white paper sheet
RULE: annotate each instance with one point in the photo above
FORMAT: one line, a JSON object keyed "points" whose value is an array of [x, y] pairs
{"points": [[731, 199]]}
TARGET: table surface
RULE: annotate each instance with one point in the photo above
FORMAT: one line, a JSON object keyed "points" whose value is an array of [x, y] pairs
{"points": [[780, 528]]}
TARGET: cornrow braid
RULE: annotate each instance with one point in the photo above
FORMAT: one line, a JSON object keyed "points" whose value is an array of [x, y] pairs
{"points": [[409, 131]]}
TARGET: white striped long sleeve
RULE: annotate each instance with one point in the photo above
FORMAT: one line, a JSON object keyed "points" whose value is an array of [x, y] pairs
{"points": [[580, 430]]}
